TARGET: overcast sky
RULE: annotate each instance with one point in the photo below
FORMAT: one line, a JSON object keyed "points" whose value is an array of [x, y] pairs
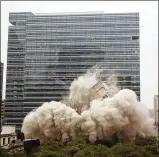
{"points": [[148, 32]]}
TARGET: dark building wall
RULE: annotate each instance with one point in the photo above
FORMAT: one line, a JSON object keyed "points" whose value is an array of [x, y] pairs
{"points": [[49, 51]]}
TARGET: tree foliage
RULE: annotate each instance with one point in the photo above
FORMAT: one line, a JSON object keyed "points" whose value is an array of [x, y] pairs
{"points": [[146, 147], [129, 150], [144, 141]]}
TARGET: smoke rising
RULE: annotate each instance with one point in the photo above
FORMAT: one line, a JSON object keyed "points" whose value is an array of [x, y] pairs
{"points": [[100, 118], [80, 95]]}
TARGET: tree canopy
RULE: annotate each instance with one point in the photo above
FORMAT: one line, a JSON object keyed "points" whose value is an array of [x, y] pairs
{"points": [[146, 147]]}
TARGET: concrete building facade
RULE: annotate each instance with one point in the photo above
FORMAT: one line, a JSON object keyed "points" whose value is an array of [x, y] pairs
{"points": [[7, 135], [47, 51]]}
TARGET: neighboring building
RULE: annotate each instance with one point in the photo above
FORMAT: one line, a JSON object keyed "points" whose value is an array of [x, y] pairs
{"points": [[156, 108], [47, 51], [2, 112], [7, 135], [1, 91], [151, 113], [156, 114]]}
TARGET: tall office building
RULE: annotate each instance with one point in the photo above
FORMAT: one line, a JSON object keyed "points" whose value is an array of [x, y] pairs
{"points": [[1, 90], [47, 51]]}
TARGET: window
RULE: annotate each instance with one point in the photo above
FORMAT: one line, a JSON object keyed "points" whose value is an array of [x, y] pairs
{"points": [[135, 37], [4, 141], [8, 140]]}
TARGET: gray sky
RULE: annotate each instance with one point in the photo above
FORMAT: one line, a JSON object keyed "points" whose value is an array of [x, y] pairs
{"points": [[148, 31]]}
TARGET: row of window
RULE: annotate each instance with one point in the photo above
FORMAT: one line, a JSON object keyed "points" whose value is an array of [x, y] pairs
{"points": [[83, 56], [71, 59], [106, 46], [70, 77], [93, 20], [13, 100], [77, 53], [83, 18], [75, 49], [84, 15], [86, 31], [58, 68], [87, 25], [126, 42], [114, 26], [85, 42], [53, 70], [16, 61], [15, 68], [79, 38], [79, 35], [64, 71]]}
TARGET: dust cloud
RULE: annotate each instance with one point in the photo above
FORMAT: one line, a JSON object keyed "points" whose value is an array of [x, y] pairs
{"points": [[94, 117]]}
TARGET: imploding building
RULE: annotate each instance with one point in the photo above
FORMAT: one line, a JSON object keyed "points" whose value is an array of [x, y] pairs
{"points": [[46, 52]]}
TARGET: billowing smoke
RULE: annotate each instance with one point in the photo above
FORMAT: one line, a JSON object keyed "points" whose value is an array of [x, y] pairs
{"points": [[80, 90], [119, 113]]}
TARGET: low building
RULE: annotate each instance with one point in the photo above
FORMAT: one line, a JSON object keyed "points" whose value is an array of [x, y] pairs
{"points": [[8, 135]]}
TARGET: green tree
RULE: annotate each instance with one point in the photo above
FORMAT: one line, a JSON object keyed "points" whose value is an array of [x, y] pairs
{"points": [[93, 151], [142, 147], [49, 154], [4, 153], [129, 150], [153, 149], [143, 141]]}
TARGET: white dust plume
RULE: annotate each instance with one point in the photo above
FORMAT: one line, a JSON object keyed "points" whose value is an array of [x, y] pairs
{"points": [[120, 113]]}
